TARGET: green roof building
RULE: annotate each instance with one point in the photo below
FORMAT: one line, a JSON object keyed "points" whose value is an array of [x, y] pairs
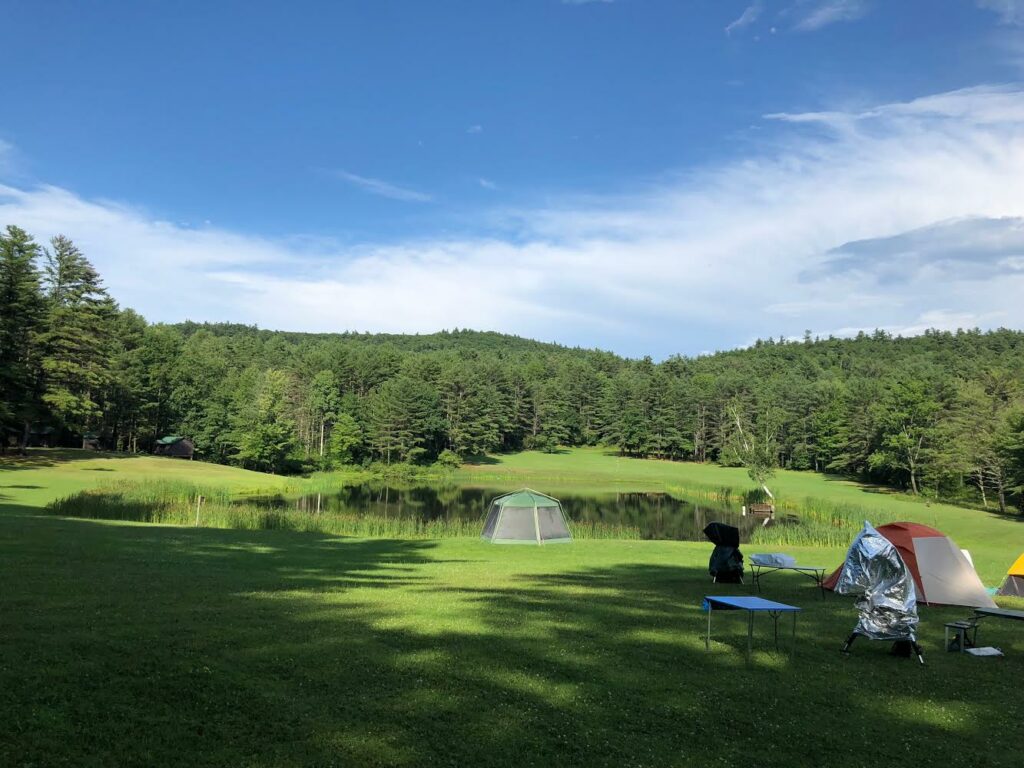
{"points": [[175, 445]]}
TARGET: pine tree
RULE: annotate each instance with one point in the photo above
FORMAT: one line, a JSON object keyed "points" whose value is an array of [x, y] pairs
{"points": [[76, 344], [22, 313], [405, 419]]}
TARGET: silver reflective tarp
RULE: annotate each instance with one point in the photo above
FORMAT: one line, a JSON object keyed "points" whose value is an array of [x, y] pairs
{"points": [[875, 573]]}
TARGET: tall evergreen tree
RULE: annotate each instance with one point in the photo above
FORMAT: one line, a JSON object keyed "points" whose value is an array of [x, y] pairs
{"points": [[76, 344], [22, 313]]}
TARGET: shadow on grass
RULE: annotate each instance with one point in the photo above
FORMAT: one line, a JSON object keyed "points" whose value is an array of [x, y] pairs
{"points": [[135, 644], [39, 458], [482, 460]]}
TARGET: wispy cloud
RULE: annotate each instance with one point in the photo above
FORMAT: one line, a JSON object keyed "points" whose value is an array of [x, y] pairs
{"points": [[382, 188], [802, 232], [475, 129], [750, 14], [1010, 11], [487, 183], [821, 13]]}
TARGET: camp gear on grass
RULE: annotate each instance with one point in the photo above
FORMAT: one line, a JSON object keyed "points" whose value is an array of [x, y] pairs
{"points": [[875, 573], [759, 570], [751, 605], [525, 517], [775, 560], [1013, 584], [726, 563], [941, 573], [988, 650]]}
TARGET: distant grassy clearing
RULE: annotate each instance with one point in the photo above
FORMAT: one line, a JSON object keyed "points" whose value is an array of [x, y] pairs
{"points": [[45, 475], [993, 541]]}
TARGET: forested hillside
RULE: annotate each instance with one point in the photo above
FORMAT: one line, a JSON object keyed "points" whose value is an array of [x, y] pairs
{"points": [[939, 414]]}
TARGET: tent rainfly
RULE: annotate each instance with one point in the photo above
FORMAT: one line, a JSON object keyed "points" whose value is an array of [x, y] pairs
{"points": [[525, 517], [942, 574], [1013, 584]]}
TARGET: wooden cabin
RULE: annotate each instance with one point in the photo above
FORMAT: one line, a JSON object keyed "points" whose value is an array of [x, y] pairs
{"points": [[175, 445]]}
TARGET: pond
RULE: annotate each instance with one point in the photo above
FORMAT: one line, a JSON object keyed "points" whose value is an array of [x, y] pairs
{"points": [[649, 515]]}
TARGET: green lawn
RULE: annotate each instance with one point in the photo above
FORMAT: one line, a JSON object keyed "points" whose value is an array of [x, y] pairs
{"points": [[130, 644], [45, 475]]}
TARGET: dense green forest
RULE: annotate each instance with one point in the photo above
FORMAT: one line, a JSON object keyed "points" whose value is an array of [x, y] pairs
{"points": [[940, 414]]}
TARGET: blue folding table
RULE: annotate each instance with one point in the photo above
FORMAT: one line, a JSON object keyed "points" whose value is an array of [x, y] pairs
{"points": [[751, 605]]}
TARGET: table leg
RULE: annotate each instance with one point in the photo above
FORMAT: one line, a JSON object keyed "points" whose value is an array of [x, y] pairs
{"points": [[750, 632], [821, 584], [792, 651], [707, 640]]}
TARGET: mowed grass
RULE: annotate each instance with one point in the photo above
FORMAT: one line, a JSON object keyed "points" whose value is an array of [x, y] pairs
{"points": [[46, 475], [134, 644]]}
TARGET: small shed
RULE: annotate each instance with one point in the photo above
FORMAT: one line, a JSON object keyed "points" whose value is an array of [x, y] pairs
{"points": [[176, 446], [90, 442]]}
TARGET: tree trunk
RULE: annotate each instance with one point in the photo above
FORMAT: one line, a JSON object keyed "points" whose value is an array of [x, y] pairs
{"points": [[25, 434], [981, 487], [321, 438]]}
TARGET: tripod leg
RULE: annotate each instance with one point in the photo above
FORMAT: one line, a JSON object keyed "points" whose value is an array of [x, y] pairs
{"points": [[918, 651], [848, 643]]}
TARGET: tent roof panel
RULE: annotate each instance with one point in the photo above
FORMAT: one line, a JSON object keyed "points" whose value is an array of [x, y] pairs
{"points": [[947, 576], [526, 497], [1017, 569]]}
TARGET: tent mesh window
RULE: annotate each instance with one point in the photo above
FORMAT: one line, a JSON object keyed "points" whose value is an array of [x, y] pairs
{"points": [[552, 524], [492, 520], [517, 523]]}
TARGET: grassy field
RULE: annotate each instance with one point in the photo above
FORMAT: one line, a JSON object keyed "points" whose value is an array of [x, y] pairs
{"points": [[46, 475], [134, 644]]}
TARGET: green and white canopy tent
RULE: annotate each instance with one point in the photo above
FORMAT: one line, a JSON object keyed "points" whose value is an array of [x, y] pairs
{"points": [[525, 517]]}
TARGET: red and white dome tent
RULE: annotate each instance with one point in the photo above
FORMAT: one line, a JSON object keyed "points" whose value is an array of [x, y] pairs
{"points": [[942, 574]]}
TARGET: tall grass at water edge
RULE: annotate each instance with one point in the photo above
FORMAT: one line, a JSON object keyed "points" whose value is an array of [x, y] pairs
{"points": [[804, 522], [174, 503], [807, 521]]}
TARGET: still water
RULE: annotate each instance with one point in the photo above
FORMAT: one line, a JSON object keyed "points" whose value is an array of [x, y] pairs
{"points": [[653, 515]]}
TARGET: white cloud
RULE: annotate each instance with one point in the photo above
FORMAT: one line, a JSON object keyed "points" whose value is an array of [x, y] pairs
{"points": [[1009, 11], [821, 13], [487, 183], [475, 129], [382, 188], [745, 19], [804, 233]]}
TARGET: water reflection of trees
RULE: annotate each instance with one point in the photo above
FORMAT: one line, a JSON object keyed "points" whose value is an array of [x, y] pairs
{"points": [[653, 515]]}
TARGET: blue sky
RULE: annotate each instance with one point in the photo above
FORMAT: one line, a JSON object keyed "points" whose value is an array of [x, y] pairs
{"points": [[650, 177]]}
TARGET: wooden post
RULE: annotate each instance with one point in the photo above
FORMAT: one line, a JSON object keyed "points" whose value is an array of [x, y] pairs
{"points": [[199, 503]]}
